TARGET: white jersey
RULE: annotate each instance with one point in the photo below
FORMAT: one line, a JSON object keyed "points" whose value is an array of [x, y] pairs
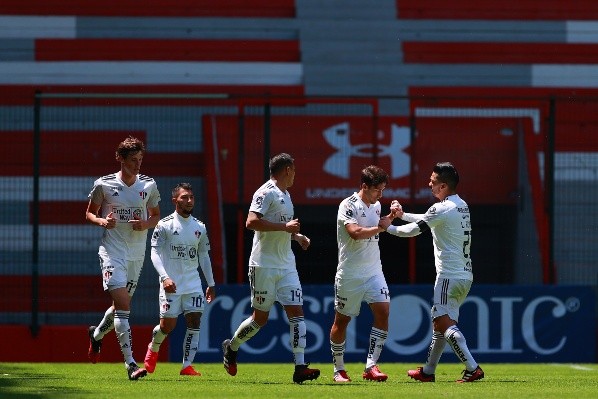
{"points": [[450, 223], [357, 258], [272, 248], [124, 202], [181, 243]]}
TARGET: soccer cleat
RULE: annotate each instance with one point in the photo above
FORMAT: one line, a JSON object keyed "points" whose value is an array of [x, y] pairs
{"points": [[418, 374], [151, 358], [304, 373], [189, 370], [135, 372], [93, 353], [471, 376], [230, 358], [374, 374], [341, 376]]}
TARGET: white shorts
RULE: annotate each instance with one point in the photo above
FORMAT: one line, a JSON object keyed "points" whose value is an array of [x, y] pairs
{"points": [[449, 295], [269, 285], [172, 305], [120, 273], [349, 293]]}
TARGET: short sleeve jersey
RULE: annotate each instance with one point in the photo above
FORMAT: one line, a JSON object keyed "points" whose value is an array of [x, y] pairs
{"points": [[272, 249], [357, 258], [125, 203], [450, 224], [180, 243]]}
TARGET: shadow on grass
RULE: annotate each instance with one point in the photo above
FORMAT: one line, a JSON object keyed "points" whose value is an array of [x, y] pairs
{"points": [[24, 383]]}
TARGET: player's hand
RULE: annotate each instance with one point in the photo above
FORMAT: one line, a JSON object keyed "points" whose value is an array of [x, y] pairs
{"points": [[210, 294], [169, 286], [110, 221], [293, 226], [304, 241], [384, 222], [137, 223], [396, 210]]}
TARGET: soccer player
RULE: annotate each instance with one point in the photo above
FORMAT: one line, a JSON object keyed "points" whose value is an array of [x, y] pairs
{"points": [[359, 277], [128, 202], [179, 242], [450, 223], [272, 272]]}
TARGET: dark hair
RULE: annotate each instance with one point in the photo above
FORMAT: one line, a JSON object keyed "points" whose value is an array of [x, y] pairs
{"points": [[373, 175], [184, 186], [130, 145], [279, 162], [447, 174]]}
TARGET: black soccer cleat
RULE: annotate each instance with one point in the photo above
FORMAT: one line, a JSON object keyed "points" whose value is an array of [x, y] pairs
{"points": [[134, 372], [93, 353], [304, 373], [230, 358]]}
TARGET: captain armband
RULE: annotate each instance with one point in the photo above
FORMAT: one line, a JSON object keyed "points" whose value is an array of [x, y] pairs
{"points": [[423, 226]]}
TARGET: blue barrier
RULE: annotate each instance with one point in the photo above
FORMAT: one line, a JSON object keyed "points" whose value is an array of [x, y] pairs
{"points": [[501, 323]]}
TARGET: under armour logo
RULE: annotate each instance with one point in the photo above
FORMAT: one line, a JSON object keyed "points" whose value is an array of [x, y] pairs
{"points": [[338, 136]]}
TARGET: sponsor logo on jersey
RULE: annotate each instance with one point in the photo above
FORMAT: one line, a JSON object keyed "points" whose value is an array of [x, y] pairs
{"points": [[126, 214]]}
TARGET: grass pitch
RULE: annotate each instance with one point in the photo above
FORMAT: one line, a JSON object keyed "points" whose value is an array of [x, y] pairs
{"points": [[273, 381]]}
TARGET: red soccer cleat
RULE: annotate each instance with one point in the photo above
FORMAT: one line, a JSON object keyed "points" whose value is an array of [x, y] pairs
{"points": [[189, 370], [151, 358], [341, 376], [471, 376], [374, 374], [418, 374]]}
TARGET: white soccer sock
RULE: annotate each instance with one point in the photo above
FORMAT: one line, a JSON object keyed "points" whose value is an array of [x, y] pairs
{"points": [[105, 326], [123, 333], [338, 355], [434, 352], [456, 340], [298, 338], [190, 344], [247, 329], [377, 339], [158, 336]]}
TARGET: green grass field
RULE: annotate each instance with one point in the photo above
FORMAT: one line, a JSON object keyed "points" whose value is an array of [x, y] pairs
{"points": [[273, 381]]}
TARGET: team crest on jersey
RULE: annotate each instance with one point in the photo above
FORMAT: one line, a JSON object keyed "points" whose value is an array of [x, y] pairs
{"points": [[197, 233], [432, 210], [156, 234], [143, 194], [137, 213], [192, 253]]}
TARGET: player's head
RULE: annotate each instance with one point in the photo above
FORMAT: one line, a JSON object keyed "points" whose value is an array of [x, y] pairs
{"points": [[373, 182], [183, 199], [130, 145], [282, 168], [447, 173], [373, 176], [443, 180], [130, 155]]}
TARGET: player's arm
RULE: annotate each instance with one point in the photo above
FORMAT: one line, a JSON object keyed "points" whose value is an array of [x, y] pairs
{"points": [[408, 230], [358, 232], [165, 280], [206, 268], [91, 215], [303, 241], [256, 222]]}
